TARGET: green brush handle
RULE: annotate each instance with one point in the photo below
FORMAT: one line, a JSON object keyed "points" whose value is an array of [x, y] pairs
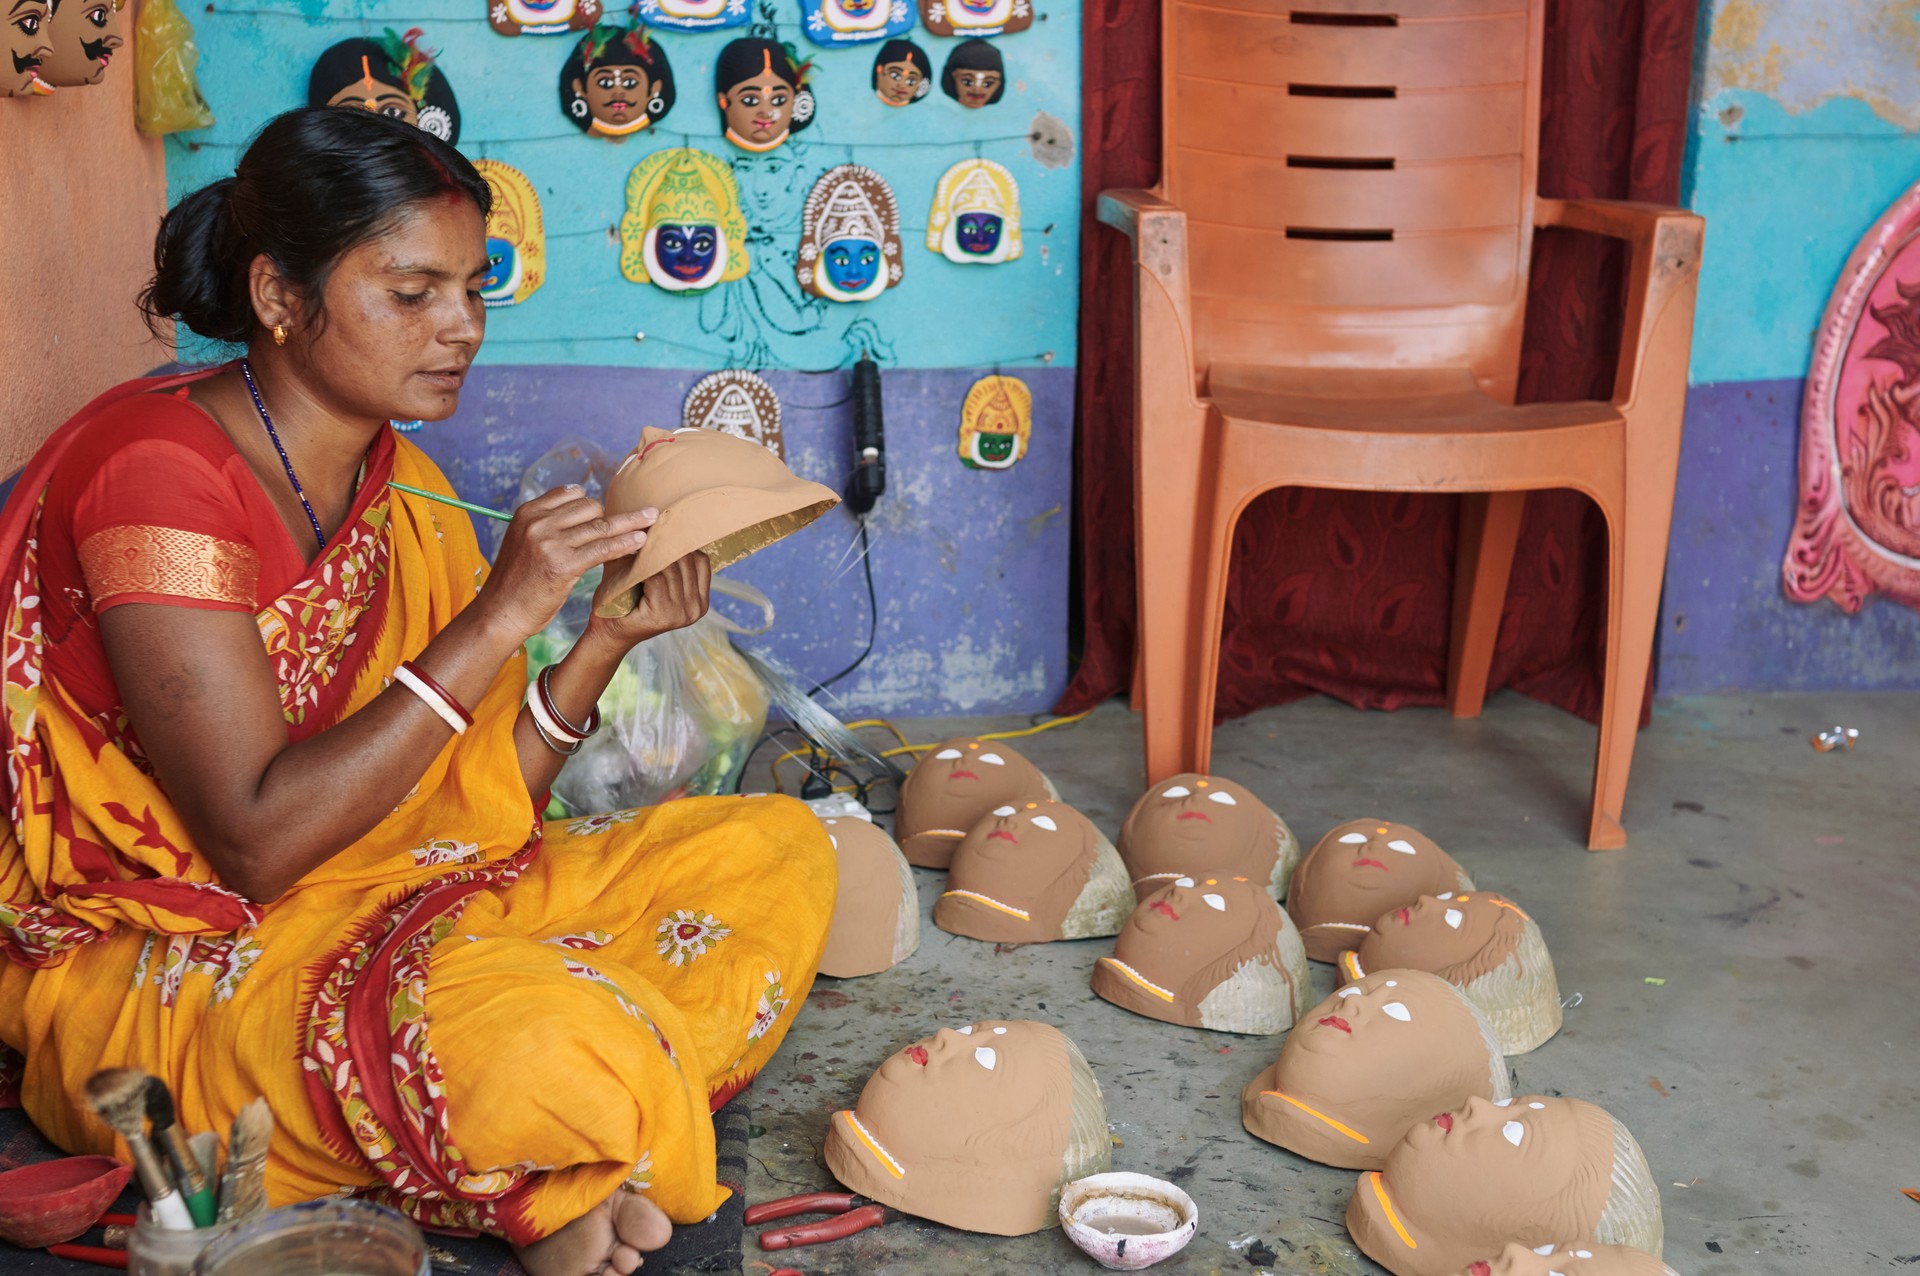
{"points": [[469, 506]]}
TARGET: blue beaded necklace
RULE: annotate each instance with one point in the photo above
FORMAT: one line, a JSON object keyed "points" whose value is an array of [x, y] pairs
{"points": [[246, 371]]}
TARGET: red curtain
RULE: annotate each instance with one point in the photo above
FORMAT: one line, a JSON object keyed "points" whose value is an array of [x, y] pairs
{"points": [[1350, 593]]}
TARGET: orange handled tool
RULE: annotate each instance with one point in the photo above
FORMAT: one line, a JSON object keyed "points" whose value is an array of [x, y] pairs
{"points": [[855, 1214]]}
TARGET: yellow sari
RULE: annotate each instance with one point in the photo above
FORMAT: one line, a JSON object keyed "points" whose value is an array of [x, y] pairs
{"points": [[483, 1022]]}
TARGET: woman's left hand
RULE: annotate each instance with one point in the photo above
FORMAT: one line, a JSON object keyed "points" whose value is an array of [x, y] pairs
{"points": [[673, 599]]}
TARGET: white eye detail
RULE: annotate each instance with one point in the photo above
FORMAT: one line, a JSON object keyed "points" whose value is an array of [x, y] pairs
{"points": [[1502, 1103], [1354, 839], [1003, 811], [1183, 881], [1544, 1251], [1045, 822], [1395, 1010], [1393, 983], [1514, 1132], [1178, 791], [947, 755], [1538, 1107], [993, 759], [986, 1058], [965, 1030], [1215, 902], [1583, 1253], [1444, 895], [1455, 917], [1223, 798], [1349, 991], [999, 1032], [1402, 845]]}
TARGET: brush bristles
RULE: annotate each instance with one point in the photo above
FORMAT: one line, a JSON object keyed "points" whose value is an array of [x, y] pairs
{"points": [[159, 1104], [243, 1190], [119, 1096]]}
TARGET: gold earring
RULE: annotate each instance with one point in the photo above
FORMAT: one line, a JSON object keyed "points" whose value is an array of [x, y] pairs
{"points": [[279, 334]]}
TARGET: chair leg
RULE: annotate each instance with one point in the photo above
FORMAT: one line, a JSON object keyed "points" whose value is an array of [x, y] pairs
{"points": [[1637, 565], [1169, 521], [1489, 530]]}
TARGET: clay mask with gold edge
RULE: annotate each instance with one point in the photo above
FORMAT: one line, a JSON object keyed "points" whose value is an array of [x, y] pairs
{"points": [[1358, 871], [1032, 872], [1468, 1181], [954, 787], [1209, 951], [977, 1127], [85, 35], [716, 493], [1204, 822], [1484, 944], [1360, 1069], [1585, 1258], [876, 915]]}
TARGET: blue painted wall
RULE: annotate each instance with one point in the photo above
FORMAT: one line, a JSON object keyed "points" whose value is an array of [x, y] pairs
{"points": [[1804, 134], [971, 566]]}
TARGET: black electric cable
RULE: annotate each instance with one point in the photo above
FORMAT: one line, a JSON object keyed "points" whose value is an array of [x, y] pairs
{"points": [[873, 617]]}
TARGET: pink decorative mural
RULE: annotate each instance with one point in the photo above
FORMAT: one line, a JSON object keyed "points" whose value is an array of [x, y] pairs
{"points": [[1858, 527]]}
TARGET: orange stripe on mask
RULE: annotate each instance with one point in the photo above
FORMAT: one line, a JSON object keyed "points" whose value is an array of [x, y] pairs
{"points": [[1380, 1194], [1320, 1116]]}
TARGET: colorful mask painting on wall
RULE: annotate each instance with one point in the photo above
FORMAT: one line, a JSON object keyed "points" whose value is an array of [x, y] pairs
{"points": [[29, 46], [902, 73], [976, 214], [975, 75], [616, 82], [849, 236], [836, 22], [541, 17], [693, 15], [85, 35], [683, 229], [984, 18], [996, 421], [516, 239], [1858, 528], [739, 403], [393, 76], [763, 95]]}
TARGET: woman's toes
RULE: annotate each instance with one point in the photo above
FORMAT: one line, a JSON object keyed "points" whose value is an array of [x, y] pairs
{"points": [[638, 1222], [624, 1260]]}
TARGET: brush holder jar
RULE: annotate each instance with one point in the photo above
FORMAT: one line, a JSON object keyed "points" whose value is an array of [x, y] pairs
{"points": [[320, 1238], [153, 1250]]}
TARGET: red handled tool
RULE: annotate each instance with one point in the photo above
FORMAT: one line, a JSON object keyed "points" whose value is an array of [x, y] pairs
{"points": [[856, 1214]]}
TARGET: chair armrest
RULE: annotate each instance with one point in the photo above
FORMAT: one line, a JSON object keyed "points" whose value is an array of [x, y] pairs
{"points": [[1163, 317], [1126, 210]]}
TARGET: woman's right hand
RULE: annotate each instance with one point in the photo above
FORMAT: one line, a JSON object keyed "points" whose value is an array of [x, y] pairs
{"points": [[553, 540]]}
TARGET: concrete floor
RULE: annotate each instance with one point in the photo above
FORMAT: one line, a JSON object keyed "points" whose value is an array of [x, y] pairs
{"points": [[1772, 1078]]}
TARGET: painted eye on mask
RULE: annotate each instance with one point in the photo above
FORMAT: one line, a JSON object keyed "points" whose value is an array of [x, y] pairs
{"points": [[993, 759], [1353, 839], [1045, 822], [1003, 811], [1223, 798], [965, 1030], [1403, 846], [986, 1057], [1178, 791], [1183, 881], [947, 755], [1350, 990], [1513, 1132], [1455, 917], [1217, 903], [1397, 1010]]}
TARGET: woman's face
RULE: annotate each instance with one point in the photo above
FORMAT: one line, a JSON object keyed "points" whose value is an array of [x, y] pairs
{"points": [[687, 251], [898, 83], [978, 233], [976, 88], [404, 317], [377, 96], [851, 264], [616, 95], [84, 35], [759, 110], [27, 43]]}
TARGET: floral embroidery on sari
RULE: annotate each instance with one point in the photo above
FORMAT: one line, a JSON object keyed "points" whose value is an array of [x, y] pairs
{"points": [[311, 630], [773, 1001], [588, 825]]}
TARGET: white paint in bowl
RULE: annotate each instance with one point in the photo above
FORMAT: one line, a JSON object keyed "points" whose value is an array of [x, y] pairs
{"points": [[1127, 1221]]}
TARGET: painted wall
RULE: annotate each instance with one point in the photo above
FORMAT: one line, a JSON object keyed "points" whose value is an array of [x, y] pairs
{"points": [[971, 567], [81, 193], [1803, 136]]}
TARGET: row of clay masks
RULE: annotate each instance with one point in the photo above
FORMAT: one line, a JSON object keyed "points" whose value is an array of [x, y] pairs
{"points": [[65, 44]]}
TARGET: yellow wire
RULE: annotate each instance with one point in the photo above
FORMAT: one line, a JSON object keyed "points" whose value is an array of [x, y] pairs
{"points": [[905, 747]]}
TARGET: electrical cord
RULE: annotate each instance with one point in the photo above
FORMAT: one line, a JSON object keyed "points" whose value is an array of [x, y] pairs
{"points": [[873, 618]]}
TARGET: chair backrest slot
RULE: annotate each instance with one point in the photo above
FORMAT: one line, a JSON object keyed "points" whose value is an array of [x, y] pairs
{"points": [[1310, 18], [1343, 163], [1342, 90], [1339, 234]]}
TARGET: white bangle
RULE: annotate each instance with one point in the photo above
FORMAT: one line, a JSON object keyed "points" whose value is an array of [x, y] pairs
{"points": [[431, 698], [545, 720]]}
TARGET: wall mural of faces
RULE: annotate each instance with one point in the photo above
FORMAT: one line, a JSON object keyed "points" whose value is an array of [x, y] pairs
{"points": [[693, 15], [394, 76], [976, 215], [29, 46], [843, 22], [850, 236], [984, 18], [683, 230], [616, 82], [85, 35], [762, 93], [902, 73], [975, 75], [541, 17]]}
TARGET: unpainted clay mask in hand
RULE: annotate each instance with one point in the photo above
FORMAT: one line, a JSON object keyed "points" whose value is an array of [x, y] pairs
{"points": [[976, 1127], [876, 916], [1480, 942], [954, 788], [1209, 952], [1032, 872], [1358, 871], [1468, 1181], [1369, 1063], [1583, 1259], [715, 492], [1202, 822]]}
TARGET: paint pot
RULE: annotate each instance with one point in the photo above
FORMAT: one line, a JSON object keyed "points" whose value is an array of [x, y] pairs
{"points": [[53, 1201], [320, 1238], [153, 1250], [1127, 1221]]}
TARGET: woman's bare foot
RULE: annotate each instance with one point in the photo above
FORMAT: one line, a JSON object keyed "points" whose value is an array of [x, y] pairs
{"points": [[605, 1241]]}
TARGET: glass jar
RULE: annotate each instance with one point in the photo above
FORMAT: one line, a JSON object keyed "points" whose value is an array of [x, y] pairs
{"points": [[153, 1250], [320, 1238]]}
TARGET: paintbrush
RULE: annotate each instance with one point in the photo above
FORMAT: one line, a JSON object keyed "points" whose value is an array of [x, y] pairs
{"points": [[119, 1095], [243, 1191], [186, 1166], [469, 506]]}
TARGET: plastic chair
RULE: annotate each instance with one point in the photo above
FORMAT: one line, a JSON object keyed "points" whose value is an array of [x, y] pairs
{"points": [[1334, 299]]}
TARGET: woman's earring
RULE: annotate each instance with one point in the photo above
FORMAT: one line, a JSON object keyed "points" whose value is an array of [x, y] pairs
{"points": [[279, 334]]}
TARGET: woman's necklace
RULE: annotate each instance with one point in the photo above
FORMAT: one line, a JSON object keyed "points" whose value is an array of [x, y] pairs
{"points": [[247, 371]]}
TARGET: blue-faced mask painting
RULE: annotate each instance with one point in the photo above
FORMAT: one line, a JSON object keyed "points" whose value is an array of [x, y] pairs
{"points": [[976, 215], [516, 240], [850, 236], [683, 229], [842, 22], [686, 250]]}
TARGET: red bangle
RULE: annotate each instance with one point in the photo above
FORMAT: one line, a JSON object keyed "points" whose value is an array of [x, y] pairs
{"points": [[434, 686], [546, 702]]}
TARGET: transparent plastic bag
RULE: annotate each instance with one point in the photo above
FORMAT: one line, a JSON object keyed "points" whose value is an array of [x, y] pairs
{"points": [[166, 94]]}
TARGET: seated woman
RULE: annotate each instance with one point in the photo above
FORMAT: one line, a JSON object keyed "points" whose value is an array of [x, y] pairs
{"points": [[274, 769]]}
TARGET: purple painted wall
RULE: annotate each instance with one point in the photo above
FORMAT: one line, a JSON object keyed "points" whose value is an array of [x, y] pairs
{"points": [[970, 566], [1725, 624]]}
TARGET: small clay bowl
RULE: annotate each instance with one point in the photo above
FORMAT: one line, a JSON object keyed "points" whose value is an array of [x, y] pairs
{"points": [[1127, 1221], [53, 1201]]}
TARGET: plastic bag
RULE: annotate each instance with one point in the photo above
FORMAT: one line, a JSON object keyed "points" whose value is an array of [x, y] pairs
{"points": [[167, 95]]}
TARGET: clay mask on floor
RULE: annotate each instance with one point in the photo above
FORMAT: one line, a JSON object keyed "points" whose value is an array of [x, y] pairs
{"points": [[1031, 872], [1471, 1180], [1369, 1063], [956, 786], [1201, 822], [715, 492], [876, 916], [1582, 1259], [1210, 952], [977, 1127], [1480, 942], [1358, 871]]}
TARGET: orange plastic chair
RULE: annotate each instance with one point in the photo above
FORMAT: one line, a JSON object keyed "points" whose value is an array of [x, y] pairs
{"points": [[1333, 297]]}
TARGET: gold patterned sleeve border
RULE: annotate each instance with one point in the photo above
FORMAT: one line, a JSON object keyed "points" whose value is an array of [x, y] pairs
{"points": [[141, 559]]}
